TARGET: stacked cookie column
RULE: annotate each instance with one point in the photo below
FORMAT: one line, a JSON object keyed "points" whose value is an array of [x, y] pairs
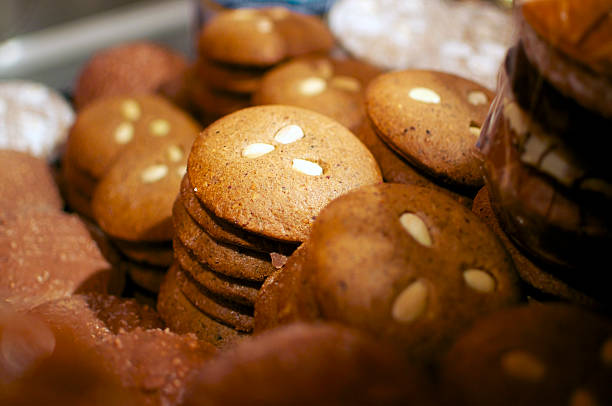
{"points": [[237, 47], [549, 183], [256, 180]]}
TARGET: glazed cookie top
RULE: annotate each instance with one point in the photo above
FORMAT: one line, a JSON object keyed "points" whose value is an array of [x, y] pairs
{"points": [[407, 263], [134, 199], [105, 128], [553, 354], [262, 37], [333, 87], [271, 169], [132, 68], [432, 119], [33, 118]]}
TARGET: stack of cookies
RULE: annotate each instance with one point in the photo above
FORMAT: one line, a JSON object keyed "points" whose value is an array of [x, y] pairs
{"points": [[125, 160], [329, 85], [236, 47], [256, 181], [549, 188], [423, 127]]}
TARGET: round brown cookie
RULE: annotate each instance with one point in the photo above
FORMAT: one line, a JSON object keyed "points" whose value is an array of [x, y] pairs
{"points": [[76, 179], [109, 252], [157, 364], [432, 119], [212, 103], [223, 231], [232, 314], [321, 364], [333, 87], [133, 201], [222, 258], [146, 276], [157, 254], [183, 317], [105, 128], [239, 291], [537, 354], [26, 181], [229, 78], [46, 255], [533, 274], [131, 68], [395, 169], [273, 175], [408, 264], [41, 367], [574, 56], [33, 118], [262, 37], [286, 296], [90, 318]]}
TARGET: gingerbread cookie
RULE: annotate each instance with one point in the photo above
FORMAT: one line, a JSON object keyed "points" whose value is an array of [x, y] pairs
{"points": [[262, 37], [408, 264], [183, 317], [223, 258], [235, 290], [127, 69], [310, 364], [538, 354], [229, 78], [433, 120], [330, 86], [273, 175]]}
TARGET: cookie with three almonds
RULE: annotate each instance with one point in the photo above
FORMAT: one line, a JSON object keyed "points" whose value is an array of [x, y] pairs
{"points": [[127, 69], [271, 169], [331, 86], [107, 127], [183, 317], [407, 264], [262, 37], [432, 119], [26, 181], [537, 354], [133, 200], [310, 364]]}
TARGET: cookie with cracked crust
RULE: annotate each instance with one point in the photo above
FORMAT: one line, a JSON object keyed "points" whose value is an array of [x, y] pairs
{"points": [[183, 317], [235, 290], [262, 37], [331, 86], [223, 258], [271, 169], [408, 264], [433, 120], [537, 354], [223, 231]]}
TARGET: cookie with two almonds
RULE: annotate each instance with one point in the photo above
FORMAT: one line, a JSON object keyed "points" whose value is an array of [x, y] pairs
{"points": [[407, 264], [433, 120]]}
